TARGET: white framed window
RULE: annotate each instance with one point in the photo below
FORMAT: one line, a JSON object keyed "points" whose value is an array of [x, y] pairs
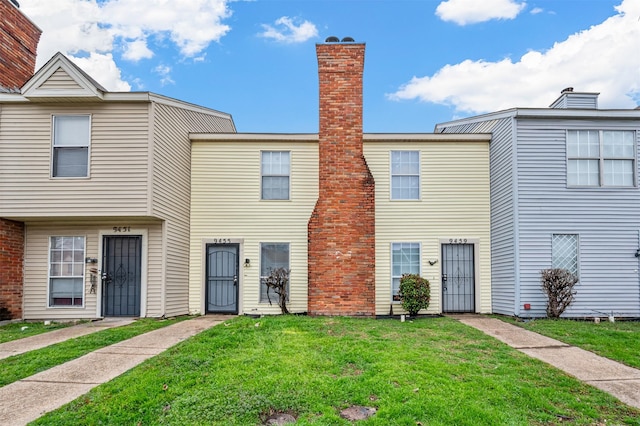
{"points": [[564, 252], [272, 256], [71, 141], [66, 271], [275, 170], [405, 259], [601, 158], [405, 175]]}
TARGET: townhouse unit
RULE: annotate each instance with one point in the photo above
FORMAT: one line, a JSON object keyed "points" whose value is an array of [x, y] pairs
{"points": [[95, 187], [347, 213], [564, 193]]}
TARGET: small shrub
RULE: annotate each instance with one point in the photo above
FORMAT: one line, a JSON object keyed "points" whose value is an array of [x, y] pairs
{"points": [[278, 280], [415, 293], [558, 284]]}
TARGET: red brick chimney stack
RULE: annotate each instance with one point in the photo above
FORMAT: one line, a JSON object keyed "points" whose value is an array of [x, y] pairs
{"points": [[341, 230], [18, 45]]}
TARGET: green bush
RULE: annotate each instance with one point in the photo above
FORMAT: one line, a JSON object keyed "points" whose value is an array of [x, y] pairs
{"points": [[415, 293]]}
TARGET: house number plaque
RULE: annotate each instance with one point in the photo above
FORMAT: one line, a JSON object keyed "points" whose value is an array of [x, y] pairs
{"points": [[121, 229], [457, 241]]}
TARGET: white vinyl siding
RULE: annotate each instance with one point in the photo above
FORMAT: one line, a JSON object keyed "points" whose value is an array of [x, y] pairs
{"points": [[405, 259], [564, 248], [71, 140], [275, 166], [272, 257], [66, 271], [600, 158], [405, 175]]}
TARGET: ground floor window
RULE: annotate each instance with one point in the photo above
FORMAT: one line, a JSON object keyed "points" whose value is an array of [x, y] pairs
{"points": [[405, 259], [272, 256], [564, 249], [66, 271]]}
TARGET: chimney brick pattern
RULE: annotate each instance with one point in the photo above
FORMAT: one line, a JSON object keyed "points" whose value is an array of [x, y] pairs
{"points": [[18, 47], [11, 268], [341, 230]]}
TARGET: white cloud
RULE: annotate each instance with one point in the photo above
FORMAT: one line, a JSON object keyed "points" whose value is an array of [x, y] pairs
{"points": [[136, 50], [464, 12], [598, 59], [103, 69], [128, 27], [536, 10], [286, 30], [164, 71]]}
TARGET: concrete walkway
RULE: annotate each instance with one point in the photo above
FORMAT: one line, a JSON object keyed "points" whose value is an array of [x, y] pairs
{"points": [[617, 379], [30, 398], [17, 347]]}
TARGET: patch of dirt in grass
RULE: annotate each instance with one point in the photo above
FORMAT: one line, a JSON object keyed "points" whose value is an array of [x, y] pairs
{"points": [[357, 412], [351, 370], [278, 418]]}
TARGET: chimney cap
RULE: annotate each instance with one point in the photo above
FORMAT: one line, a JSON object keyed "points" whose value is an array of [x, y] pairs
{"points": [[567, 90], [334, 39]]}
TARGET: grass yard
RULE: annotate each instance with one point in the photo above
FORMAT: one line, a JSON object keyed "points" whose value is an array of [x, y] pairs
{"points": [[19, 330], [427, 372], [29, 363], [619, 341]]}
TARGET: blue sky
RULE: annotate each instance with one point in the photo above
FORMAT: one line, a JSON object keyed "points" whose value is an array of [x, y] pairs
{"points": [[427, 61]]}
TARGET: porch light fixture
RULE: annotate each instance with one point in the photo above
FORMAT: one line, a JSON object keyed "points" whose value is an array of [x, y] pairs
{"points": [[433, 262], [247, 262]]}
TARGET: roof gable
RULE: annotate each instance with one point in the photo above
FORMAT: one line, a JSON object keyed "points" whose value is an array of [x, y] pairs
{"points": [[60, 79]]}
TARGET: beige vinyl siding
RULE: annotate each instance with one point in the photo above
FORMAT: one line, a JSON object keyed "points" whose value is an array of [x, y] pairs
{"points": [[155, 272], [36, 272], [118, 180], [36, 266], [454, 203], [171, 191], [60, 80], [225, 203]]}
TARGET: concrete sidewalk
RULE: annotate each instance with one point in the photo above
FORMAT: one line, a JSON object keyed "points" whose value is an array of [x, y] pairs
{"points": [[30, 398], [20, 346], [617, 379]]}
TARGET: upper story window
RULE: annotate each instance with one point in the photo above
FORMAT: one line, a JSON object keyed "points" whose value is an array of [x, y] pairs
{"points": [[71, 141], [66, 271], [275, 169], [601, 158], [405, 175]]}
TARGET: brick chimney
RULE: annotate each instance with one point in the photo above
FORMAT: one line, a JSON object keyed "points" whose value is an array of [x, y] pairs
{"points": [[18, 45], [341, 230]]}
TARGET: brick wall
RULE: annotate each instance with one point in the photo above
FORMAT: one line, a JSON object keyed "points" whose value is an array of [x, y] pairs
{"points": [[18, 44], [341, 230], [11, 268]]}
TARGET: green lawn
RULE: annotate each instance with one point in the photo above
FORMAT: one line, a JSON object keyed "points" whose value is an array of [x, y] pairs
{"points": [[19, 330], [430, 371], [29, 363], [619, 341]]}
